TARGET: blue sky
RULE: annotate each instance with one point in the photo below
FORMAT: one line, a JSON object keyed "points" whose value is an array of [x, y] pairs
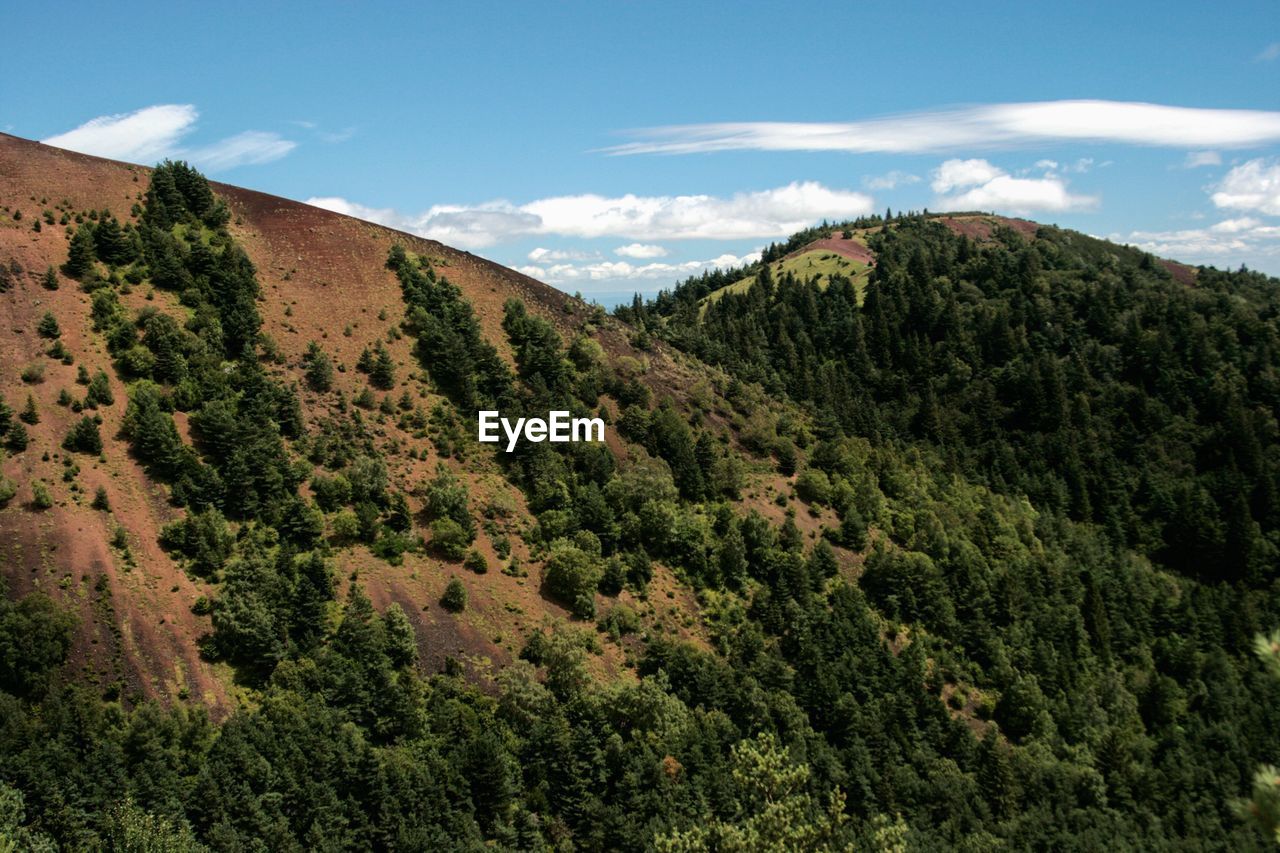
{"points": [[613, 147]]}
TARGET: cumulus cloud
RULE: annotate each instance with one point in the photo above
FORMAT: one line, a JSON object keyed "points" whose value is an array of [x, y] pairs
{"points": [[964, 173], [988, 187], [891, 180], [1254, 185], [156, 132], [774, 213], [641, 251], [625, 271], [989, 126], [1196, 159]]}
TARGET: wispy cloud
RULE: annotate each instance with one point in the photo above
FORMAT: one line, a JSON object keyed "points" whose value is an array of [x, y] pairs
{"points": [[625, 271], [1254, 185], [156, 132], [150, 133], [749, 215], [979, 185], [542, 255], [891, 180], [1270, 53], [1196, 159], [987, 126]]}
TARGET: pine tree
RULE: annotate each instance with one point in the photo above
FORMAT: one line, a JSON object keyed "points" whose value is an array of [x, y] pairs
{"points": [[84, 437], [80, 254], [109, 241], [99, 393], [383, 372], [50, 280], [16, 438], [30, 414], [48, 326], [318, 368]]}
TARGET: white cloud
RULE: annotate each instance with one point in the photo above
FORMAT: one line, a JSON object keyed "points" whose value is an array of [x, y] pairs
{"points": [[641, 251], [1196, 159], [768, 213], [989, 126], [1231, 240], [953, 174], [1270, 53], [147, 134], [891, 180], [1254, 185], [250, 148], [154, 133], [991, 188], [625, 271], [540, 255]]}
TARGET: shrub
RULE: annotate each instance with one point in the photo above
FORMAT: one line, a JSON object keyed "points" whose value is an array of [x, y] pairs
{"points": [[33, 373], [813, 487], [100, 500], [619, 621], [476, 562], [455, 596], [8, 489], [449, 539], [346, 526], [40, 497], [572, 576]]}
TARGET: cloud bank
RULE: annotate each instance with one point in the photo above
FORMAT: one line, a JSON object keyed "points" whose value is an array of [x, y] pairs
{"points": [[1230, 239], [769, 213], [986, 126], [624, 271], [156, 132]]}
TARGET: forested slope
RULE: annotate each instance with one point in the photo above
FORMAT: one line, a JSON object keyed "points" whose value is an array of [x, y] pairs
{"points": [[809, 595]]}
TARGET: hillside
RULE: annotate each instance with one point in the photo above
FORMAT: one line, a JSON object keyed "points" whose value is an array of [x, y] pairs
{"points": [[954, 532], [324, 279]]}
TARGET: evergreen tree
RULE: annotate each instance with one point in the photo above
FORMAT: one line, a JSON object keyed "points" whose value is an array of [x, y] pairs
{"points": [[48, 326], [382, 374], [30, 414], [84, 437], [81, 254]]}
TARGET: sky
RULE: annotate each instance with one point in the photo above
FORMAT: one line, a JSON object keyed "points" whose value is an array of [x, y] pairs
{"points": [[609, 148]]}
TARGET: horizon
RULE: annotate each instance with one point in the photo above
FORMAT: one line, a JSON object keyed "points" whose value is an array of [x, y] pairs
{"points": [[599, 169]]}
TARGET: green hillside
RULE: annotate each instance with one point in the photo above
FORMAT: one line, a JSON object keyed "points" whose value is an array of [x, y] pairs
{"points": [[818, 265]]}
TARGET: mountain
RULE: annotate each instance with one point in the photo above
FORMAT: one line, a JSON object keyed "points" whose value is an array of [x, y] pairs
{"points": [[928, 531]]}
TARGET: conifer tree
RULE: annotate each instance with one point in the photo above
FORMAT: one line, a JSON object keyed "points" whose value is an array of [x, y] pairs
{"points": [[80, 256]]}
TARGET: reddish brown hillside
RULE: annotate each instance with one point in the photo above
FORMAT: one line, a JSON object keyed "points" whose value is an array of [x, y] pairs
{"points": [[323, 279]]}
